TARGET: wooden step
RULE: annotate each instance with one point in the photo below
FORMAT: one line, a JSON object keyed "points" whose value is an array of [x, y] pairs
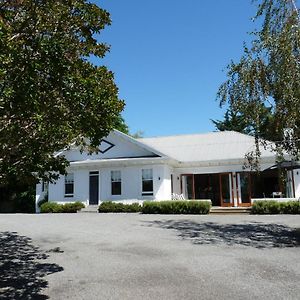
{"points": [[230, 210], [89, 209]]}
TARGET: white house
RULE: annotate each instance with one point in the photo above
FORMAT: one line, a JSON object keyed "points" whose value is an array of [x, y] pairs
{"points": [[199, 166]]}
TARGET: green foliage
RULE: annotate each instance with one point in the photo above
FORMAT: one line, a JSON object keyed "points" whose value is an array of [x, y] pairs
{"points": [[25, 202], [40, 203], [72, 207], [121, 125], [51, 95], [137, 135], [176, 207], [53, 207], [20, 199], [271, 207], [114, 207], [267, 77], [240, 122]]}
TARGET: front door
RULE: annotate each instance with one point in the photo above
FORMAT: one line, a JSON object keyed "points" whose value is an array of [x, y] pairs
{"points": [[226, 189], [94, 188]]}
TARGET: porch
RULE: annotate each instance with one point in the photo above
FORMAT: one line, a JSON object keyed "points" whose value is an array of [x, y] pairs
{"points": [[238, 189]]}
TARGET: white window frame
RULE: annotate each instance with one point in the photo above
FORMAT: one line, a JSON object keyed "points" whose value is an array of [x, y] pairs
{"points": [[147, 193], [69, 179]]}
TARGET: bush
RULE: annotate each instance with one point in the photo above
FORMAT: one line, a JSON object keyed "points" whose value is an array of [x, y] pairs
{"points": [[53, 207], [176, 207], [270, 207], [25, 202], [109, 206], [42, 202], [291, 207], [72, 207]]}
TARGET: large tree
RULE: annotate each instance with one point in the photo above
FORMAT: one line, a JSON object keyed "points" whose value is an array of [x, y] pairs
{"points": [[239, 121], [51, 95], [268, 76]]}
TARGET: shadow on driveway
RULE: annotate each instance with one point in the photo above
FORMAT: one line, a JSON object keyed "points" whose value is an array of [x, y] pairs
{"points": [[257, 235], [21, 271]]}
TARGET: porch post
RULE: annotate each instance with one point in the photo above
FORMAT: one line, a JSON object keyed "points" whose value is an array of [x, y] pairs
{"points": [[235, 189]]}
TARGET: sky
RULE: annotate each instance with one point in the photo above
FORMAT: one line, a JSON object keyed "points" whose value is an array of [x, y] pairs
{"points": [[169, 58]]}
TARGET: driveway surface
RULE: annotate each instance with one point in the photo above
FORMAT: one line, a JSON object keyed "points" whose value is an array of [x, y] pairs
{"points": [[133, 256]]}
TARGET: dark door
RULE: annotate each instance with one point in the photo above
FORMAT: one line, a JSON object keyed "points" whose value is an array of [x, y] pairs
{"points": [[245, 189], [226, 189], [94, 188]]}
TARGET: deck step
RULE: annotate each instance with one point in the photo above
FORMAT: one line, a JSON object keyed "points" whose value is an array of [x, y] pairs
{"points": [[89, 209], [230, 210]]}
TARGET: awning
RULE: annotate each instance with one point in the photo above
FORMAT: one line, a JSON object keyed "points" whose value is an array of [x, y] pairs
{"points": [[290, 165]]}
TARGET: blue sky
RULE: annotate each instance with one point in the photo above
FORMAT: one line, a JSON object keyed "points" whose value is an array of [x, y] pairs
{"points": [[169, 57]]}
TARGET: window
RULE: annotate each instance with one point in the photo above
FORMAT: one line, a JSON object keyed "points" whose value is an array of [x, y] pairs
{"points": [[45, 185], [116, 182], [69, 185], [147, 182]]}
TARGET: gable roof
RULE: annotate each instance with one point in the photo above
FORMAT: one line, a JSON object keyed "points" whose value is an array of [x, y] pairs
{"points": [[138, 143], [115, 146], [214, 146]]}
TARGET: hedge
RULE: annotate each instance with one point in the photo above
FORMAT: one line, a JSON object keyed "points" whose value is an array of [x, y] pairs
{"points": [[109, 206], [271, 207], [53, 207], [176, 207]]}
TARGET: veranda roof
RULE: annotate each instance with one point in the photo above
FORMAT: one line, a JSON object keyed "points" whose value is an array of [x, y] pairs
{"points": [[224, 145]]}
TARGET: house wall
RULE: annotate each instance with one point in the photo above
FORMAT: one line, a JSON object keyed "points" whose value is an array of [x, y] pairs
{"points": [[131, 184], [206, 170]]}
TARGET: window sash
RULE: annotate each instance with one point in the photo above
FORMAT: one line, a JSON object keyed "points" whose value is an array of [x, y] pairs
{"points": [[116, 176], [116, 188], [147, 174], [69, 185], [147, 182], [116, 182]]}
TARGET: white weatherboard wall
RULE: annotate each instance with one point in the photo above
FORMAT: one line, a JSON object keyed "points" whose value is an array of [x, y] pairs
{"points": [[131, 184]]}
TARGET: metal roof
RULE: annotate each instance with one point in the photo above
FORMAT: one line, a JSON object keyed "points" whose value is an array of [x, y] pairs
{"points": [[223, 145]]}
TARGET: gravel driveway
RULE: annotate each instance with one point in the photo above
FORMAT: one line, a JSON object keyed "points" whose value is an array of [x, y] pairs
{"points": [[133, 256]]}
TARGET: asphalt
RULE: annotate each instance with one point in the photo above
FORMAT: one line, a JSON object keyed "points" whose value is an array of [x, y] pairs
{"points": [[133, 256]]}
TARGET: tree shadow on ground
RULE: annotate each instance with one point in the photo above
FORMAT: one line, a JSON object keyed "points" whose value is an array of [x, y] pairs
{"points": [[21, 270], [257, 235]]}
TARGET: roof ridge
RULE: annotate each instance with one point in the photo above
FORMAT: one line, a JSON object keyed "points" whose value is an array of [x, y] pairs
{"points": [[186, 134]]}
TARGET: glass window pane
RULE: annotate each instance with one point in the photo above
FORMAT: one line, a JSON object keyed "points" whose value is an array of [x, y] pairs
{"points": [[69, 178], [147, 174], [147, 186], [116, 188], [115, 176], [225, 188], [69, 188], [69, 184]]}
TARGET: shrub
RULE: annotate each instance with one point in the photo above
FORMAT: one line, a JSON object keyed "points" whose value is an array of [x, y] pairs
{"points": [[264, 207], [109, 206], [176, 207], [53, 207], [25, 202], [72, 207], [291, 207], [42, 202]]}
